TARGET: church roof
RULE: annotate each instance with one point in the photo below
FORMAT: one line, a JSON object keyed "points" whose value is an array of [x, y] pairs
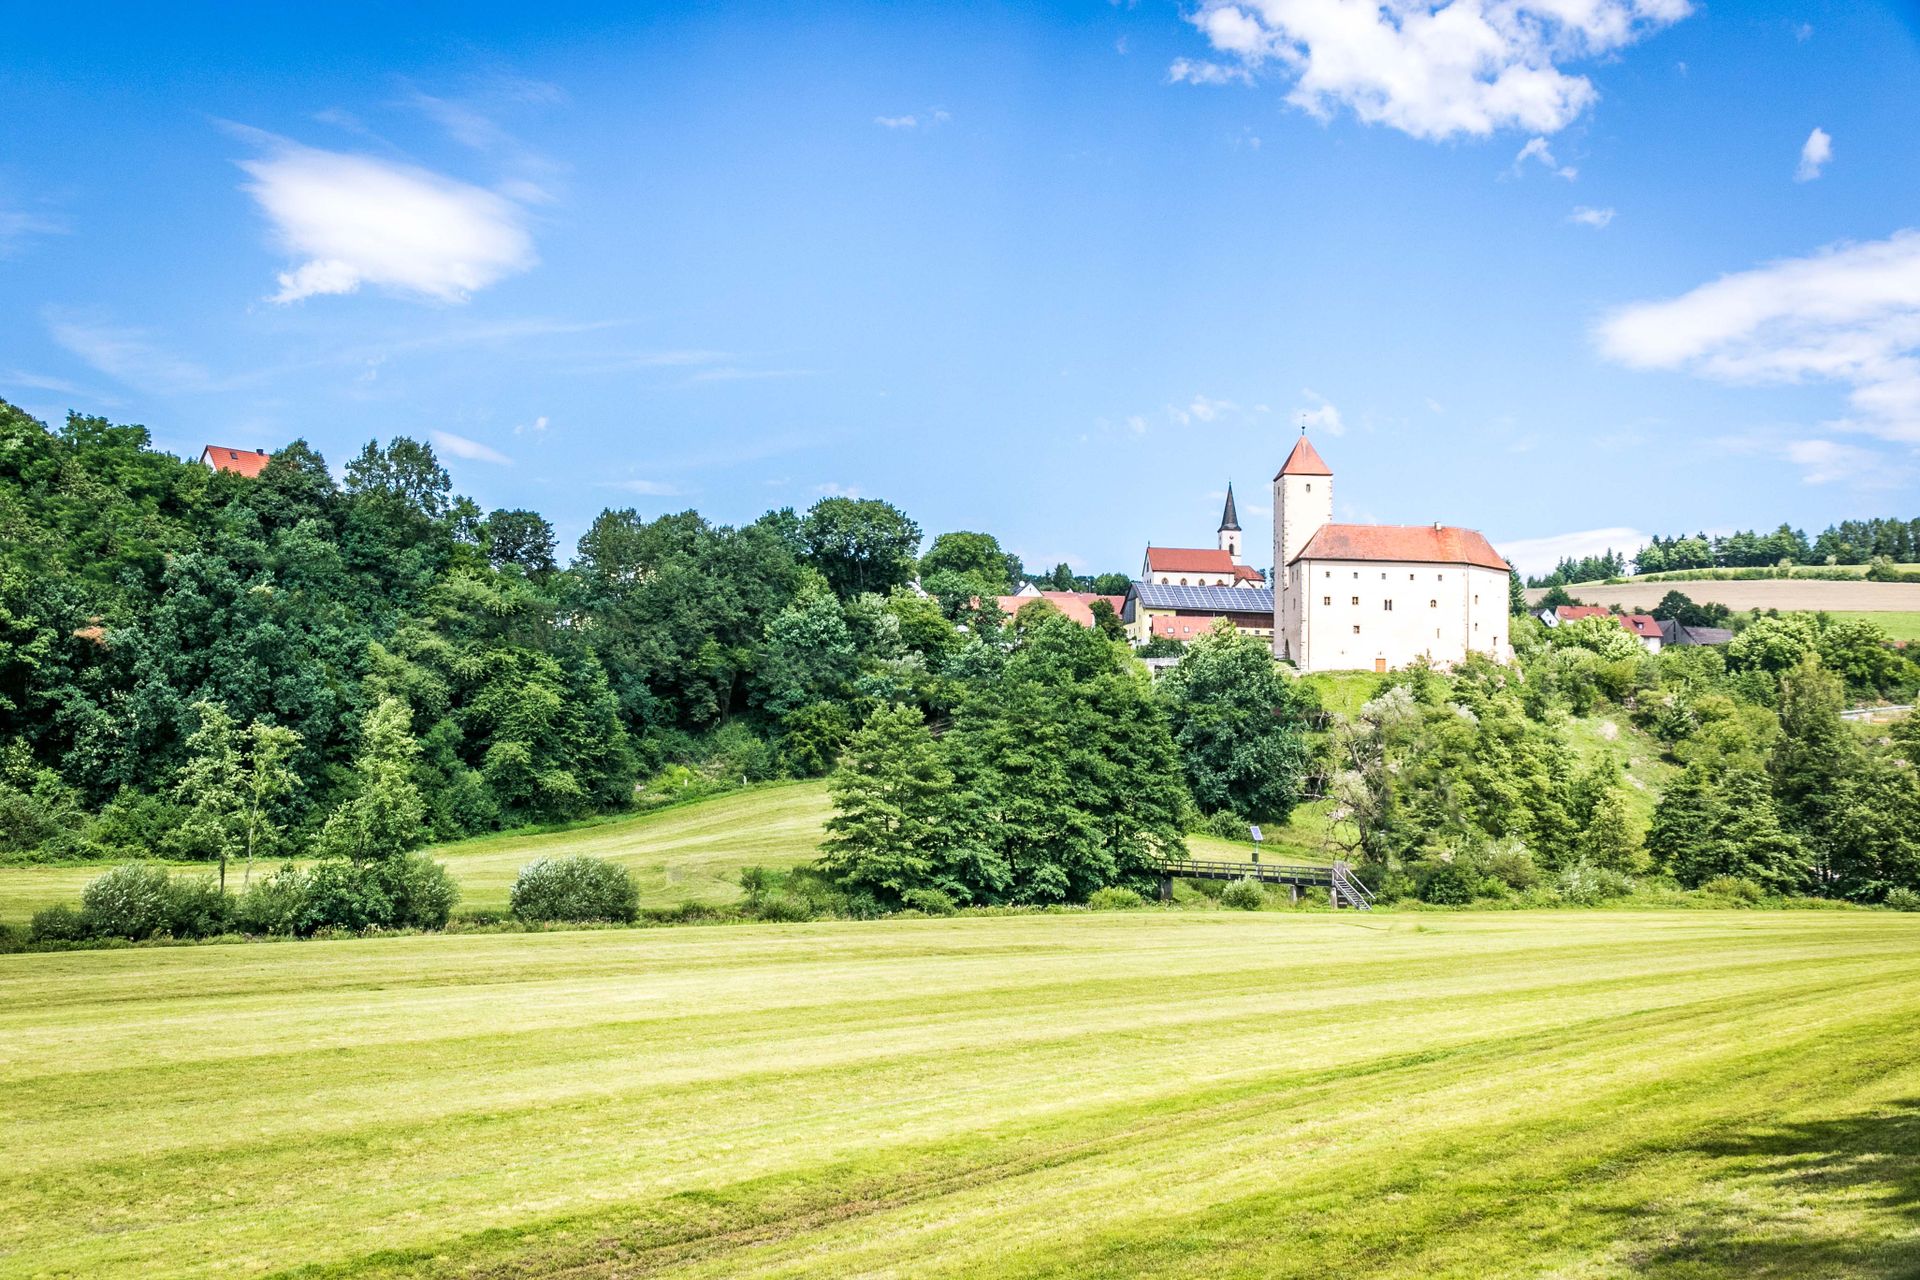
{"points": [[1189, 560], [1304, 461], [1229, 519], [1408, 544]]}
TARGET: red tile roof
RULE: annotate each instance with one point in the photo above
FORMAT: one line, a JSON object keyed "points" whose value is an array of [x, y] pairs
{"points": [[1077, 605], [1190, 560], [1304, 461], [1247, 573], [1642, 624], [242, 462], [1416, 544], [1575, 612]]}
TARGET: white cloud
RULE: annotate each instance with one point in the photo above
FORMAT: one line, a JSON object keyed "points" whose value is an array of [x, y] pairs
{"points": [[130, 356], [832, 489], [1814, 154], [1588, 216], [1538, 149], [1435, 405], [471, 450], [1827, 461], [355, 220], [1430, 70], [1319, 414], [17, 224], [1535, 556], [930, 117], [537, 427], [1849, 314]]}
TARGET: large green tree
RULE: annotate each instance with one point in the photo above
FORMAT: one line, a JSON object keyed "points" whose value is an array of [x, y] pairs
{"points": [[894, 809], [1240, 725]]}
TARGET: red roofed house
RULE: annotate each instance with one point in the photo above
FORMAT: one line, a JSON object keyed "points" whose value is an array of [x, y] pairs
{"points": [[241, 462], [1216, 566], [1368, 596], [1077, 605], [1642, 627]]}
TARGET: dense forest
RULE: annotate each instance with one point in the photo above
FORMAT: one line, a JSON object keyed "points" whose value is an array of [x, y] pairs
{"points": [[1891, 541], [202, 666]]}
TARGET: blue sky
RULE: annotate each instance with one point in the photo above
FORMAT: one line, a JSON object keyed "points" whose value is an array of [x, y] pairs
{"points": [[1560, 270]]}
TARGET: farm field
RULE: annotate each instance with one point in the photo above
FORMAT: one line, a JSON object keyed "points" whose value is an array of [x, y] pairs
{"points": [[1901, 626], [692, 853], [1784, 594], [1688, 1094]]}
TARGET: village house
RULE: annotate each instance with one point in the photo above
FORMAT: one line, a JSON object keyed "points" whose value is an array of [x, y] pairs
{"points": [[241, 462], [1645, 628]]}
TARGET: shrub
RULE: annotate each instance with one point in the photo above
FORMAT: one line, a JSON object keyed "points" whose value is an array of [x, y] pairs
{"points": [[420, 889], [932, 902], [196, 908], [783, 908], [1244, 895], [758, 882], [1734, 889], [127, 902], [1586, 885], [576, 888], [340, 894], [1448, 884], [273, 905], [60, 924], [1228, 826], [1903, 899], [1115, 898]]}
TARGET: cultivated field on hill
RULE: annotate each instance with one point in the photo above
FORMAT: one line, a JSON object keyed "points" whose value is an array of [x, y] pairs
{"points": [[1784, 594], [691, 853], [1688, 1094]]}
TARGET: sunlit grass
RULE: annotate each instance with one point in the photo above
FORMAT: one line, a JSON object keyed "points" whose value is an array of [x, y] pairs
{"points": [[1698, 1094]]}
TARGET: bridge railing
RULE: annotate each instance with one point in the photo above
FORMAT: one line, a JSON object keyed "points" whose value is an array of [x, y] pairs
{"points": [[1268, 872]]}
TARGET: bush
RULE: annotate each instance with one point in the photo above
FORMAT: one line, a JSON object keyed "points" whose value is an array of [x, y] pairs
{"points": [[1228, 826], [1448, 884], [273, 905], [1115, 898], [60, 924], [1734, 889], [196, 908], [1244, 895], [127, 902], [1903, 899], [1585, 885], [783, 908], [932, 902], [577, 888], [422, 892], [340, 894]]}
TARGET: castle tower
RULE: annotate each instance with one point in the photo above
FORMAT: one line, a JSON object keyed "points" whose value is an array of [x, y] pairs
{"points": [[1302, 502], [1230, 528]]}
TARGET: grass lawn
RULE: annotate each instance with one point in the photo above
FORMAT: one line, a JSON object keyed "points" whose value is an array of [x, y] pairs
{"points": [[1591, 1094], [1901, 626], [690, 853]]}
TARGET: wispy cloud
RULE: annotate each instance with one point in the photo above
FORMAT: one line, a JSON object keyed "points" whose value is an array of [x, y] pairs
{"points": [[471, 450], [920, 120], [1534, 556], [1848, 314], [730, 373], [1822, 461], [1587, 216], [1814, 154], [1319, 414], [131, 356], [1432, 70], [538, 427], [645, 488], [833, 489], [354, 219], [1538, 149], [18, 225]]}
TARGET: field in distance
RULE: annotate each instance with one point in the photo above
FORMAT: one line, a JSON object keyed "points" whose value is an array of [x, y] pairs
{"points": [[1687, 1094], [690, 853], [1785, 594]]}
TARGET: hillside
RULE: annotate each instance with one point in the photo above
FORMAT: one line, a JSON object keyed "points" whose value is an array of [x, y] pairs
{"points": [[1784, 594]]}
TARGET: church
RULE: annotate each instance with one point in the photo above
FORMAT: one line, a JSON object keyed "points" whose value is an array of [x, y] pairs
{"points": [[1371, 596]]}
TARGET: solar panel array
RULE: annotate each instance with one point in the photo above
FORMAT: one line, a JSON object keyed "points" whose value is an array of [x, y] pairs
{"points": [[1160, 595]]}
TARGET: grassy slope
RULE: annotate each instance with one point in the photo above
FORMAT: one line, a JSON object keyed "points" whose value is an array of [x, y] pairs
{"points": [[690, 853], [1901, 626], [1577, 1094]]}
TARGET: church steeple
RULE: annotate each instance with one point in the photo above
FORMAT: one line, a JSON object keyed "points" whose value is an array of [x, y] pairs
{"points": [[1230, 527]]}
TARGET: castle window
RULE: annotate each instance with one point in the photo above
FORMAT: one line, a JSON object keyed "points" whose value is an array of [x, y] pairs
{"points": [[1433, 604], [1356, 628], [1309, 486], [1326, 599], [1356, 599], [1388, 604], [1476, 599], [1409, 577], [1476, 626]]}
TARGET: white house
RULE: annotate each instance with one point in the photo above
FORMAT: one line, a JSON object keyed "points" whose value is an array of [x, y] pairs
{"points": [[1375, 597]]}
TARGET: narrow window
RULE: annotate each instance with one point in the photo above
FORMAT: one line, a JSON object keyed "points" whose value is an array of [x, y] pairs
{"points": [[1309, 486], [1388, 604], [1433, 604], [1476, 626], [1476, 599], [1409, 577], [1326, 599], [1183, 582], [1356, 599], [1356, 628]]}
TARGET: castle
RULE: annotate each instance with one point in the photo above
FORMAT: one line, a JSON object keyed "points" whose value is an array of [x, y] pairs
{"points": [[1371, 596]]}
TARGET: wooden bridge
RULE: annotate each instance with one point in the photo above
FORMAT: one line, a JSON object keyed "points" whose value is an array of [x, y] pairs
{"points": [[1342, 887]]}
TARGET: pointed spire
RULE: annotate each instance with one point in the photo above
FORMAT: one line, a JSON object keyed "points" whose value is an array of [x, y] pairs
{"points": [[1304, 461], [1230, 518]]}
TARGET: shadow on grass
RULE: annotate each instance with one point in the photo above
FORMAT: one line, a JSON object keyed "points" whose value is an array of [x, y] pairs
{"points": [[1837, 1198]]}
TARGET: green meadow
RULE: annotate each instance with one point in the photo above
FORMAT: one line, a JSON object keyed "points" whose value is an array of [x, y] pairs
{"points": [[1575, 1094], [690, 853]]}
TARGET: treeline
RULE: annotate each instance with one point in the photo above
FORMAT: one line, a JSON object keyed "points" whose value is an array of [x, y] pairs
{"points": [[1851, 542], [170, 634]]}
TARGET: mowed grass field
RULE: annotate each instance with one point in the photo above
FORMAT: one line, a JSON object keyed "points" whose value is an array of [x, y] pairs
{"points": [[1690, 1094], [692, 853], [1879, 599]]}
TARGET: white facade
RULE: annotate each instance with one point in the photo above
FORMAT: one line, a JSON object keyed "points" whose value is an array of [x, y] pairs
{"points": [[1379, 615]]}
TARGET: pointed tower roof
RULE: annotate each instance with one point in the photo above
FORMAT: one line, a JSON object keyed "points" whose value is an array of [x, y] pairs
{"points": [[1304, 461], [1230, 518]]}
